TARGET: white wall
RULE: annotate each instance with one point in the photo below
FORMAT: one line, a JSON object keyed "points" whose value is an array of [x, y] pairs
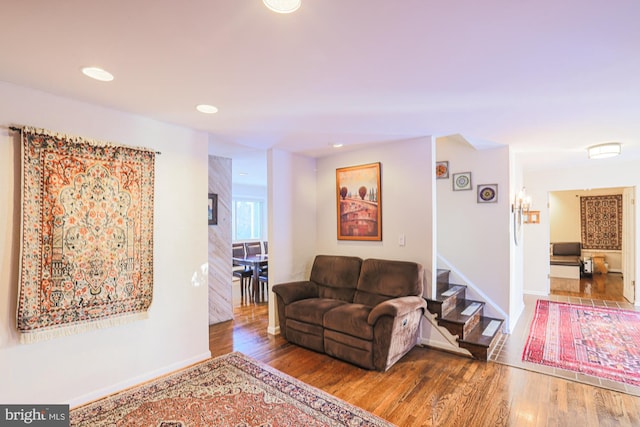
{"points": [[79, 368], [475, 237], [601, 174], [292, 220], [407, 208]]}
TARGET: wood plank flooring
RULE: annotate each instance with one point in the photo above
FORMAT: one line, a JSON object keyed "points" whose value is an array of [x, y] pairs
{"points": [[607, 287], [429, 387]]}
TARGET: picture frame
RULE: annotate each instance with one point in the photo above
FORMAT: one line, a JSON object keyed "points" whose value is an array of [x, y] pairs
{"points": [[487, 193], [212, 211], [442, 169], [359, 202], [462, 181]]}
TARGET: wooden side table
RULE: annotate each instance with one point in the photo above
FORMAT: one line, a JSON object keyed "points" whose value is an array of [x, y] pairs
{"points": [[598, 264]]}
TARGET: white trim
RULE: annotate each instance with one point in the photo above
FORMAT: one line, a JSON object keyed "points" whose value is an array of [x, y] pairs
{"points": [[122, 385], [438, 345], [273, 330], [537, 293]]}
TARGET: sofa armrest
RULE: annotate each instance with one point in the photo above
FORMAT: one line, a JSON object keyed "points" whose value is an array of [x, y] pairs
{"points": [[396, 307], [295, 291]]}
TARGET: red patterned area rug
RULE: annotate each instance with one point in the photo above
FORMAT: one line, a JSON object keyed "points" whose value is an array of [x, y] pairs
{"points": [[231, 390], [597, 341]]}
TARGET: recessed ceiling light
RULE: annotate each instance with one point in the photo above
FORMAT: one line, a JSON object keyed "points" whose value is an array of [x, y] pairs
{"points": [[206, 108], [97, 73], [602, 151], [243, 174], [283, 6], [337, 145]]}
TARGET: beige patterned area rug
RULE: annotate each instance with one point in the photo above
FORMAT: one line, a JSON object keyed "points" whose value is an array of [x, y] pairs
{"points": [[231, 390]]}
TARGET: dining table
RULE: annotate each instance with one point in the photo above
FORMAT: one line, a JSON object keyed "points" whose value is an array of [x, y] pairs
{"points": [[257, 262]]}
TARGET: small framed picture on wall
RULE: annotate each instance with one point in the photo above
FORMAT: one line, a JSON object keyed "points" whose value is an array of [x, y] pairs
{"points": [[487, 193], [462, 181]]}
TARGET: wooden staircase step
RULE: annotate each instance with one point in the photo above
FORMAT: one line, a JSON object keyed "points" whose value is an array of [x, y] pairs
{"points": [[442, 279], [446, 299], [481, 340], [462, 318]]}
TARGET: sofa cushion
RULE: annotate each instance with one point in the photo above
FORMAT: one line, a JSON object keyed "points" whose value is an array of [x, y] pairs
{"points": [[348, 340], [352, 349], [567, 248], [381, 280], [350, 319], [336, 276], [311, 310], [305, 334]]}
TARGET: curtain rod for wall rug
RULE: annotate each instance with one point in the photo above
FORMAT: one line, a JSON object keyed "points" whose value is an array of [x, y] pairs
{"points": [[17, 129]]}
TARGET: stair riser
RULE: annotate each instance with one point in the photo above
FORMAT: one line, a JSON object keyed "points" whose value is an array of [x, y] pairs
{"points": [[449, 304], [471, 323], [481, 352], [461, 329], [434, 307]]}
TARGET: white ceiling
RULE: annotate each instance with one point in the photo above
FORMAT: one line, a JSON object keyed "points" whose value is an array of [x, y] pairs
{"points": [[547, 77]]}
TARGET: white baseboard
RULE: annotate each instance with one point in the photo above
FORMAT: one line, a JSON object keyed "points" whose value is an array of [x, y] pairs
{"points": [[442, 346], [122, 385], [273, 331], [538, 293]]}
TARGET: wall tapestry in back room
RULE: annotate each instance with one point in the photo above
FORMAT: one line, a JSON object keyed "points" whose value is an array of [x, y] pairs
{"points": [[87, 235], [601, 222]]}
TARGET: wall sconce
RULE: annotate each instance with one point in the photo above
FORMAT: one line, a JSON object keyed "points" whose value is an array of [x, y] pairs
{"points": [[602, 151], [520, 207]]}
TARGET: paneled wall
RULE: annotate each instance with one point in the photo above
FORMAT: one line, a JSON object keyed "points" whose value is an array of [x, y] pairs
{"points": [[220, 297]]}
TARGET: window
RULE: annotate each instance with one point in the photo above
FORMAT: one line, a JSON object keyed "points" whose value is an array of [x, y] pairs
{"points": [[247, 219]]}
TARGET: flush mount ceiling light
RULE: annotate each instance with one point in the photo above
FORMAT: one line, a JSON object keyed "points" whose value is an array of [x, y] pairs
{"points": [[206, 109], [283, 6], [602, 151], [97, 73]]}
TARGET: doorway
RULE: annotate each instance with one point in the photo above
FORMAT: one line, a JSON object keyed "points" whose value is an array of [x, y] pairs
{"points": [[612, 278]]}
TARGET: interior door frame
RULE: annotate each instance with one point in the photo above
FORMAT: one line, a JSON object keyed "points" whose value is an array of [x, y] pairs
{"points": [[628, 252], [628, 244]]}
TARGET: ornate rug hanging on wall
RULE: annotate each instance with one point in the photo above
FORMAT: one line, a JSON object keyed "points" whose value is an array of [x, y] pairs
{"points": [[601, 222], [87, 235]]}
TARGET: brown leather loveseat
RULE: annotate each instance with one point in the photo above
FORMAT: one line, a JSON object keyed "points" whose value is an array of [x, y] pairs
{"points": [[365, 312]]}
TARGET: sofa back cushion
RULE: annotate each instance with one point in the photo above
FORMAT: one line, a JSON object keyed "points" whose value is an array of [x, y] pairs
{"points": [[567, 248], [381, 280], [336, 276]]}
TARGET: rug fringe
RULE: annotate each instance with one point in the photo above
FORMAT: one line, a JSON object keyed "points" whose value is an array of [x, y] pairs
{"points": [[44, 335]]}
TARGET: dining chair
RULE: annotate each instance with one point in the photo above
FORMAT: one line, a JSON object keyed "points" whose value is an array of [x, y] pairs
{"points": [[263, 283], [253, 248], [245, 274]]}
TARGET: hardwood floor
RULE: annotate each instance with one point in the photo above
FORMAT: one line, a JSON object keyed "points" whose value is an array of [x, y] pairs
{"points": [[429, 387], [606, 287]]}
